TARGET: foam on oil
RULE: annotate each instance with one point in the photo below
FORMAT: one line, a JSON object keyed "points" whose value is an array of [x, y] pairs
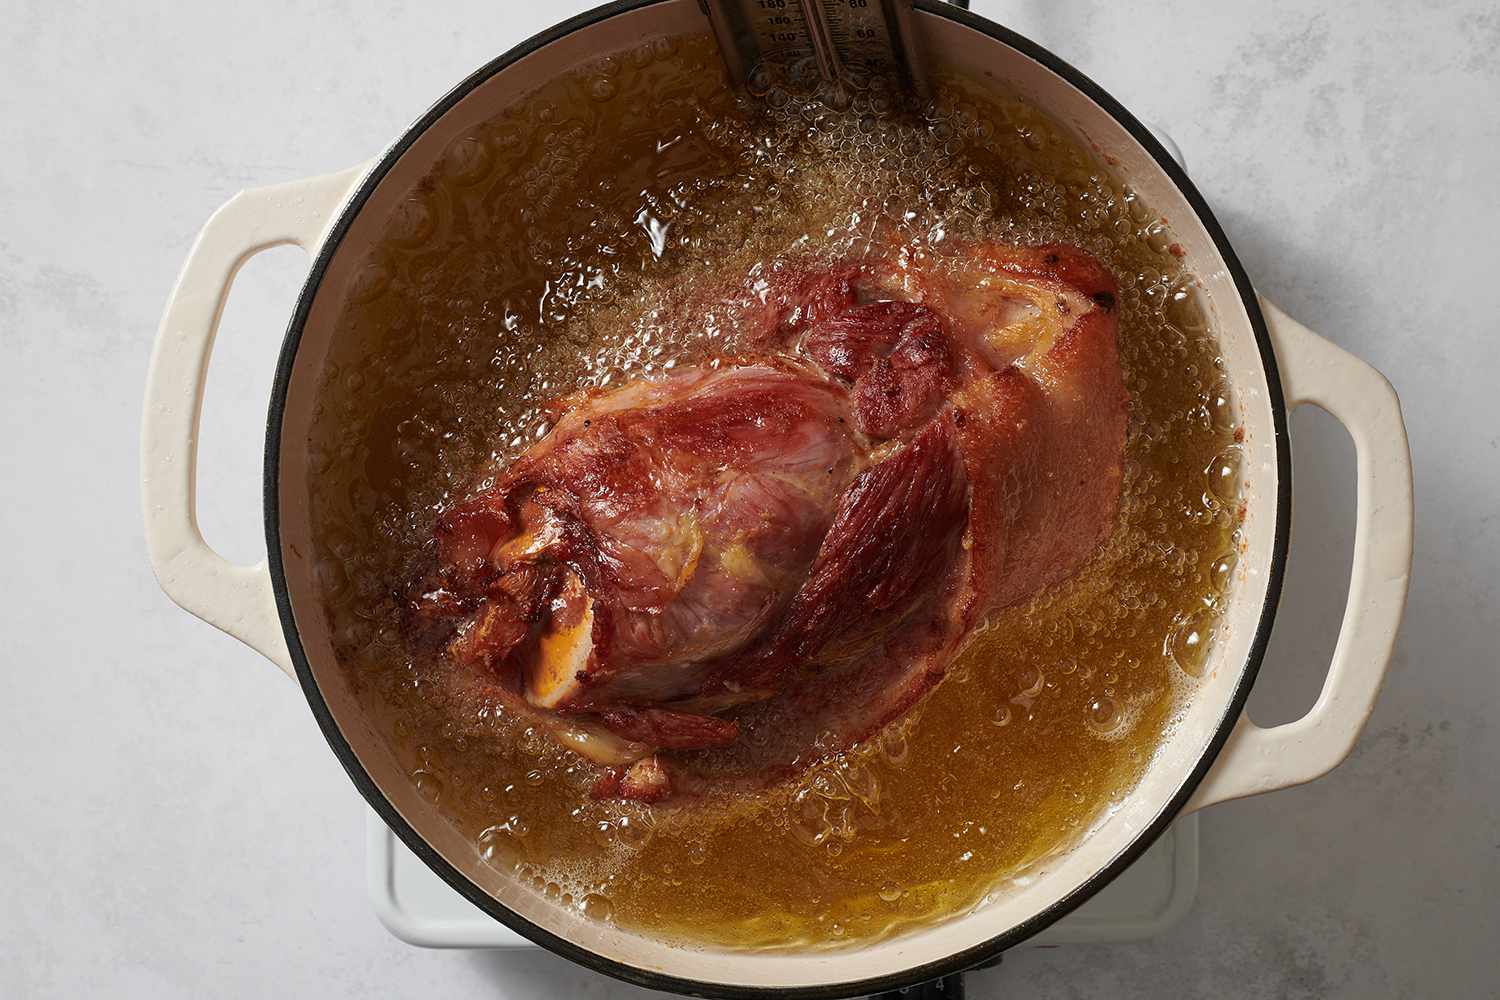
{"points": [[569, 243]]}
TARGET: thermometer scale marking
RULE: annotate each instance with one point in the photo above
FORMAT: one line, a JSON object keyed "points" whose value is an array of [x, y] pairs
{"points": [[845, 41]]}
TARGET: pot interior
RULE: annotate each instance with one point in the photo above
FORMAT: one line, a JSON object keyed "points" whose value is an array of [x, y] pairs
{"points": [[951, 45]]}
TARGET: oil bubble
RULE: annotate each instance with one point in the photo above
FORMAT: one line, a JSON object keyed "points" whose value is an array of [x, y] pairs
{"points": [[467, 160], [1220, 408], [597, 907], [1189, 641], [602, 88], [893, 744], [810, 820], [634, 831], [1031, 681], [1221, 571], [370, 283], [1104, 713], [501, 840], [429, 784], [1223, 475], [411, 223]]}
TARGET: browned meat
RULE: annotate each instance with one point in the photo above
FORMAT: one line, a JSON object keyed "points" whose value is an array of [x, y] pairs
{"points": [[646, 780], [710, 580], [658, 727]]}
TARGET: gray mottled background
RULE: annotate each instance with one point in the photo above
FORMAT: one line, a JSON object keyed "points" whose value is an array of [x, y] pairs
{"points": [[171, 822]]}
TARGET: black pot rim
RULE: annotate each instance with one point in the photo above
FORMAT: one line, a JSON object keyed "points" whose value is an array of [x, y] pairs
{"points": [[951, 964]]}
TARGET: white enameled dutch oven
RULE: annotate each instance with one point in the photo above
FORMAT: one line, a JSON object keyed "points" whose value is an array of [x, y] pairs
{"points": [[1214, 754]]}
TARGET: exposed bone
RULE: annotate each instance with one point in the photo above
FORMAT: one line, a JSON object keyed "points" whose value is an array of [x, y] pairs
{"points": [[591, 740]]}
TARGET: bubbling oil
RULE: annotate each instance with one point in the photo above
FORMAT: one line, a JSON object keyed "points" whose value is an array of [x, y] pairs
{"points": [[562, 245]]}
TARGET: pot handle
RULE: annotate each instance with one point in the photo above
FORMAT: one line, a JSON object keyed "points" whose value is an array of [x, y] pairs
{"points": [[236, 599], [1316, 371]]}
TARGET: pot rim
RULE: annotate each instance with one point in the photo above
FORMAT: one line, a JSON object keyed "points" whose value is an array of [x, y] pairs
{"points": [[957, 962]]}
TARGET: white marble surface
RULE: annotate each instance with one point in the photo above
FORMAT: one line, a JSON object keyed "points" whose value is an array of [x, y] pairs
{"points": [[173, 823]]}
